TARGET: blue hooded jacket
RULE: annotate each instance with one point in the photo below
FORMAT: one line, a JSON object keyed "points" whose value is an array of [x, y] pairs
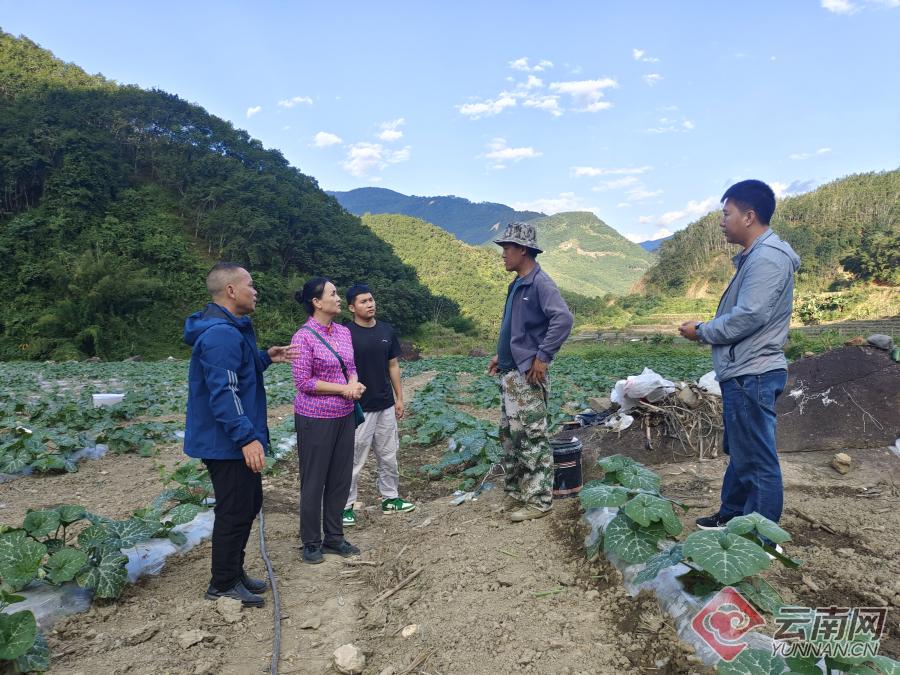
{"points": [[226, 407]]}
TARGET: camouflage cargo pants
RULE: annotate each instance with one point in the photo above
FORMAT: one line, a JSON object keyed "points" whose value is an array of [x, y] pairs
{"points": [[527, 457]]}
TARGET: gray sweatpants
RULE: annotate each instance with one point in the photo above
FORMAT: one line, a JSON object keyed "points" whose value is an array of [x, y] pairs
{"points": [[379, 434]]}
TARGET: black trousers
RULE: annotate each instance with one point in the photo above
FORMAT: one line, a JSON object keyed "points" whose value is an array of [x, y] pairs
{"points": [[238, 499], [326, 467]]}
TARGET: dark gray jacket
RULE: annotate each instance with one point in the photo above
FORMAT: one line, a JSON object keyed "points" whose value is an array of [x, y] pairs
{"points": [[540, 320], [751, 324]]}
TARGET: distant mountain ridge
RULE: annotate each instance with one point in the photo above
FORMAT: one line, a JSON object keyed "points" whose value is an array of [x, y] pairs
{"points": [[654, 244], [585, 255], [469, 221]]}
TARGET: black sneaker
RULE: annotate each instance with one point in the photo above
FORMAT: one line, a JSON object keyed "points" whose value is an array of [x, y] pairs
{"points": [[238, 592], [312, 555], [714, 522], [253, 585], [345, 549]]}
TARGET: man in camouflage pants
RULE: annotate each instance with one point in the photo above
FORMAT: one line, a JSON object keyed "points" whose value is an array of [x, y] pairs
{"points": [[536, 322]]}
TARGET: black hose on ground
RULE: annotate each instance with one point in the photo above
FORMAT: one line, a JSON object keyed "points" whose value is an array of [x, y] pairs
{"points": [[276, 598]]}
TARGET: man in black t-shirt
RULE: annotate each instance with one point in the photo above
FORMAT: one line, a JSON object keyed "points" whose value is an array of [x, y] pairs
{"points": [[375, 352]]}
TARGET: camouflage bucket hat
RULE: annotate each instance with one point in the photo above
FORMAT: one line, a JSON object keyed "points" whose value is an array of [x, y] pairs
{"points": [[523, 234]]}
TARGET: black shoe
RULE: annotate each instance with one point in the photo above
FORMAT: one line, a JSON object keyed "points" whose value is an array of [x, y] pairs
{"points": [[238, 592], [253, 585], [312, 555], [714, 522], [345, 549]]}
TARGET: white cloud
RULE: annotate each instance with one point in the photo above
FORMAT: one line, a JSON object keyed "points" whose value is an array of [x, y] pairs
{"points": [[596, 171], [534, 82], [617, 184], [660, 233], [565, 201], [499, 153], [795, 187], [808, 155], [522, 64], [323, 139], [633, 238], [839, 6], [390, 131], [586, 94], [848, 7], [694, 209], [641, 193], [652, 78], [252, 111], [548, 103], [641, 55], [487, 108], [364, 158], [643, 220], [687, 125], [668, 126], [297, 100]]}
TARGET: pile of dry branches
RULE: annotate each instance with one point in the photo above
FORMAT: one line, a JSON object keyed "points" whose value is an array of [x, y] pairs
{"points": [[690, 416]]}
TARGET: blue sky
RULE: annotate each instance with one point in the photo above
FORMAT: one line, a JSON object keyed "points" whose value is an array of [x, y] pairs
{"points": [[643, 112]]}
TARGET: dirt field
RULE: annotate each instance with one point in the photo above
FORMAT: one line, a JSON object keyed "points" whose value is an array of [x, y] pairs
{"points": [[487, 596]]}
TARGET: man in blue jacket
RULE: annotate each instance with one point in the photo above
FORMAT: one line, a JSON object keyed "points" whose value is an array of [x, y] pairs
{"points": [[226, 421], [747, 337], [536, 322]]}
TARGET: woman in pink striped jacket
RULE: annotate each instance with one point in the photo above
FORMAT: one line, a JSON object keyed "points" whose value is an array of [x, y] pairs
{"points": [[327, 387]]}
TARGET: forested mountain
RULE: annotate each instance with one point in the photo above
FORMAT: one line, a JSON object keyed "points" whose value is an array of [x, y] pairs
{"points": [[116, 201], [847, 228], [653, 244], [473, 276], [467, 220], [585, 255]]}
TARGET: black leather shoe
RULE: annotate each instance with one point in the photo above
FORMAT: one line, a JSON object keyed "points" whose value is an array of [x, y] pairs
{"points": [[714, 522], [345, 549], [238, 592], [253, 585], [312, 555]]}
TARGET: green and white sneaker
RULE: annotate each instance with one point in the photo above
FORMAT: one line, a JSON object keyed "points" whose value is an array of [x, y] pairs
{"points": [[349, 518], [396, 505]]}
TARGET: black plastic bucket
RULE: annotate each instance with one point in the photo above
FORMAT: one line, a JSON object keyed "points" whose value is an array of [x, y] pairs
{"points": [[567, 479]]}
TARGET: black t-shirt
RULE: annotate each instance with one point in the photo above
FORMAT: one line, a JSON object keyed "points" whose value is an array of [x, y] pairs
{"points": [[372, 349]]}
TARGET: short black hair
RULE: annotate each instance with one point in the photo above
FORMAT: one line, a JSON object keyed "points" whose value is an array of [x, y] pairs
{"points": [[312, 289], [531, 252], [752, 194], [220, 275], [357, 289]]}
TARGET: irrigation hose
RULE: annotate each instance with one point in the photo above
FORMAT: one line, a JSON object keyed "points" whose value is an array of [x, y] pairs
{"points": [[276, 598]]}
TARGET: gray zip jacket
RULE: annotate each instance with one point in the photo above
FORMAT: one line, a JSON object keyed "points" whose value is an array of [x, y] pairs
{"points": [[751, 324], [540, 320]]}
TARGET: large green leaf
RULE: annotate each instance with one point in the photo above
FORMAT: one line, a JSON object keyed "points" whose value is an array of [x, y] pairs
{"points": [[760, 524], [14, 462], [761, 593], [36, 659], [646, 508], [596, 495], [65, 564], [107, 579], [41, 523], [132, 531], [183, 513], [20, 558], [658, 563], [614, 463], [752, 662], [638, 477], [886, 665], [631, 542], [96, 537], [727, 557], [49, 463], [17, 633], [70, 513]]}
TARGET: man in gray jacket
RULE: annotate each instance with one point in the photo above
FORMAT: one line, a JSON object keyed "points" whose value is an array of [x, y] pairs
{"points": [[747, 338], [536, 322]]}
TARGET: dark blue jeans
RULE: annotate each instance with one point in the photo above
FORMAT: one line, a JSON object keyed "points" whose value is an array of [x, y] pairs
{"points": [[753, 478]]}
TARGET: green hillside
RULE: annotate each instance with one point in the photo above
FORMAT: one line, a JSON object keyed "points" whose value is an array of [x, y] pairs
{"points": [[116, 200], [845, 231], [586, 256], [469, 221], [472, 276]]}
